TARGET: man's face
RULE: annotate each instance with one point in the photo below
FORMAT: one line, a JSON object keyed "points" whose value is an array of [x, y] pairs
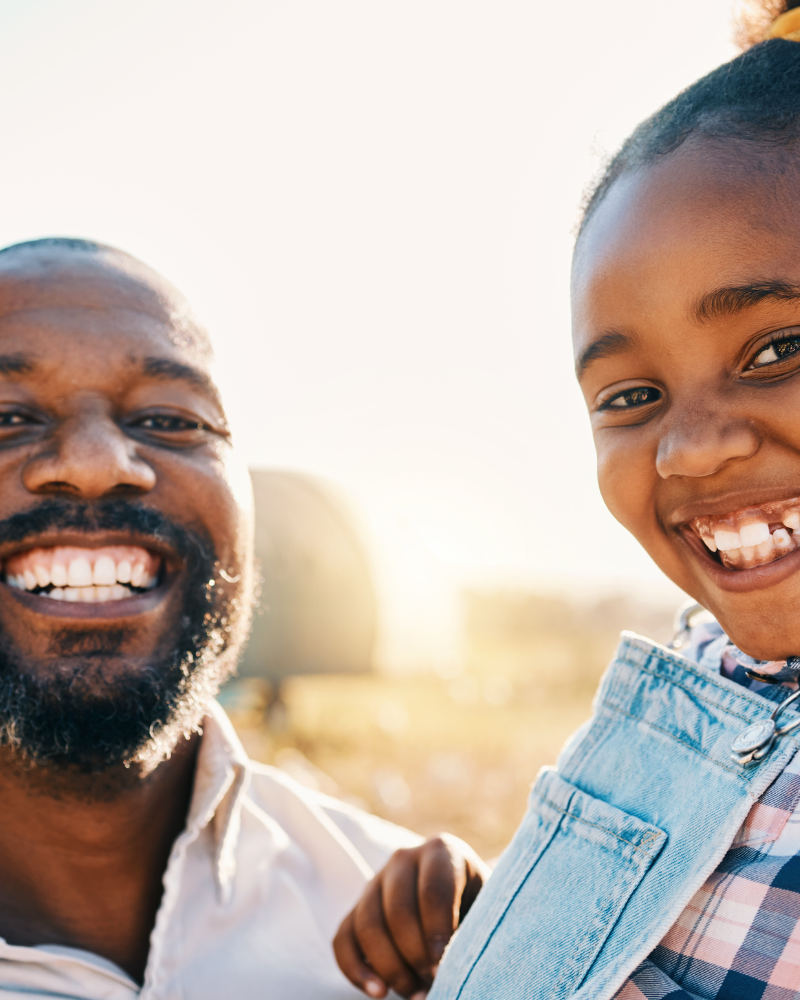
{"points": [[687, 322], [125, 534]]}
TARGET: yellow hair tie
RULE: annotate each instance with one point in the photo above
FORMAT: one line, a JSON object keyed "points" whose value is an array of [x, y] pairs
{"points": [[786, 26]]}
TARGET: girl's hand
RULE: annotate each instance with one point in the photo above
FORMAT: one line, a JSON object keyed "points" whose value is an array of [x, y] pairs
{"points": [[397, 933]]}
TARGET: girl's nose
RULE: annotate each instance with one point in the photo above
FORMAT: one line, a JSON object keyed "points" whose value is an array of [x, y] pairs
{"points": [[700, 442], [89, 456]]}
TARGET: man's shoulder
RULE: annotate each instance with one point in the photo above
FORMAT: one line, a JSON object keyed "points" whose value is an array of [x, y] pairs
{"points": [[305, 813]]}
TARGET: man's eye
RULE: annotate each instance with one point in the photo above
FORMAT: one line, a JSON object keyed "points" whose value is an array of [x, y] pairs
{"points": [[161, 422], [640, 396], [776, 351], [13, 419]]}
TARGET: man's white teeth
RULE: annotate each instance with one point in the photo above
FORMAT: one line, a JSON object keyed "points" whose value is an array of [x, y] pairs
{"points": [[84, 575], [90, 595], [104, 573], [781, 539], [79, 573]]}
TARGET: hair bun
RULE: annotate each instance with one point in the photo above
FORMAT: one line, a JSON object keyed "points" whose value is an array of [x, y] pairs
{"points": [[757, 18], [787, 26]]}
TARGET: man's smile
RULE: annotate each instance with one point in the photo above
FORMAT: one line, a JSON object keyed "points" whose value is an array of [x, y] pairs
{"points": [[83, 575], [69, 574]]}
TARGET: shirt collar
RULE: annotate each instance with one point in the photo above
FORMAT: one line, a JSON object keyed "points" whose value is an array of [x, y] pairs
{"points": [[709, 646], [220, 784]]}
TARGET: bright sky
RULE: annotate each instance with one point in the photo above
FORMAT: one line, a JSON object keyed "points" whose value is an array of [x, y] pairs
{"points": [[371, 205]]}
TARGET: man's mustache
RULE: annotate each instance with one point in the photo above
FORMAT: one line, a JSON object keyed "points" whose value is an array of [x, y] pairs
{"points": [[107, 515]]}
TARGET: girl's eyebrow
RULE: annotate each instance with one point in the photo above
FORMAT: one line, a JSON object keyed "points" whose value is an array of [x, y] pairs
{"points": [[729, 301], [722, 302], [606, 345]]}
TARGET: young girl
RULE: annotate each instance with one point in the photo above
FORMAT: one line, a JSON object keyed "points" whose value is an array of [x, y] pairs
{"points": [[661, 857]]}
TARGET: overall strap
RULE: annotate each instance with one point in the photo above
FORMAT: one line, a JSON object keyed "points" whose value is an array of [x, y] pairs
{"points": [[644, 802]]}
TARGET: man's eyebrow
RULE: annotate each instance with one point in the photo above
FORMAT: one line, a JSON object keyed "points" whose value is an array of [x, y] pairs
{"points": [[613, 342], [15, 364], [166, 368], [729, 301]]}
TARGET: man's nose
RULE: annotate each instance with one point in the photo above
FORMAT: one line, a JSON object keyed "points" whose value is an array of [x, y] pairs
{"points": [[699, 442], [89, 456]]}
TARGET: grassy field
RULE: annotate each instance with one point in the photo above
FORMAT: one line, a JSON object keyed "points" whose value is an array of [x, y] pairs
{"points": [[455, 752]]}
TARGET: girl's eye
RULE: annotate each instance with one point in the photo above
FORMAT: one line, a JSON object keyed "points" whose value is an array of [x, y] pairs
{"points": [[776, 351], [640, 396]]}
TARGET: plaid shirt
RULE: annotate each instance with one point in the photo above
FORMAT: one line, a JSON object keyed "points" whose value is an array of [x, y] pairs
{"points": [[739, 937]]}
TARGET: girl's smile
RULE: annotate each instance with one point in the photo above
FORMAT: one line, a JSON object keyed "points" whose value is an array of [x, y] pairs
{"points": [[686, 294]]}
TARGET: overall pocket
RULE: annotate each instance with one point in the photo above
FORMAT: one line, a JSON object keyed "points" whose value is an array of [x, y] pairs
{"points": [[548, 908]]}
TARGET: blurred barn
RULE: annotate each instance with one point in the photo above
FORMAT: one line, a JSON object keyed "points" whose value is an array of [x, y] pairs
{"points": [[318, 607]]}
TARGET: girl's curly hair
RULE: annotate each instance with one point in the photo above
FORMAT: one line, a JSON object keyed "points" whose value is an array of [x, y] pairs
{"points": [[754, 98]]}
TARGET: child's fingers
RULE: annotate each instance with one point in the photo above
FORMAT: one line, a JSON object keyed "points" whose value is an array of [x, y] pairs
{"points": [[441, 883], [351, 962], [401, 911], [377, 946]]}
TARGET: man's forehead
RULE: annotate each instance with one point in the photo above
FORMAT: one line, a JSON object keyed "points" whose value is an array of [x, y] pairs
{"points": [[54, 281]]}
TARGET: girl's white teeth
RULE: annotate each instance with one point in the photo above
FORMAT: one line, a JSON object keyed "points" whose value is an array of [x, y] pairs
{"points": [[726, 539], [86, 575], [754, 532], [792, 519], [763, 550], [743, 538]]}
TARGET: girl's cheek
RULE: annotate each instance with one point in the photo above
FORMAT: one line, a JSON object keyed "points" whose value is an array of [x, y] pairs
{"points": [[625, 478]]}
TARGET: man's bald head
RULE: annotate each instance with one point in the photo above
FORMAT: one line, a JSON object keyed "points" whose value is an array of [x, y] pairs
{"points": [[31, 266]]}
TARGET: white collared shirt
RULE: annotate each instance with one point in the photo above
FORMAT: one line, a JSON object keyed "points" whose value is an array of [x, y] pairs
{"points": [[254, 890]]}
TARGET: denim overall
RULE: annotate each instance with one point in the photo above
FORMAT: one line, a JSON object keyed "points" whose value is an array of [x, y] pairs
{"points": [[641, 807]]}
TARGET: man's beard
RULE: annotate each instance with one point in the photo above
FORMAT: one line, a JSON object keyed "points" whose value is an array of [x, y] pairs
{"points": [[86, 711]]}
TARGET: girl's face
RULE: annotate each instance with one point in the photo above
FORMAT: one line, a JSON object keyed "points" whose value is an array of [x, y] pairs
{"points": [[686, 304]]}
